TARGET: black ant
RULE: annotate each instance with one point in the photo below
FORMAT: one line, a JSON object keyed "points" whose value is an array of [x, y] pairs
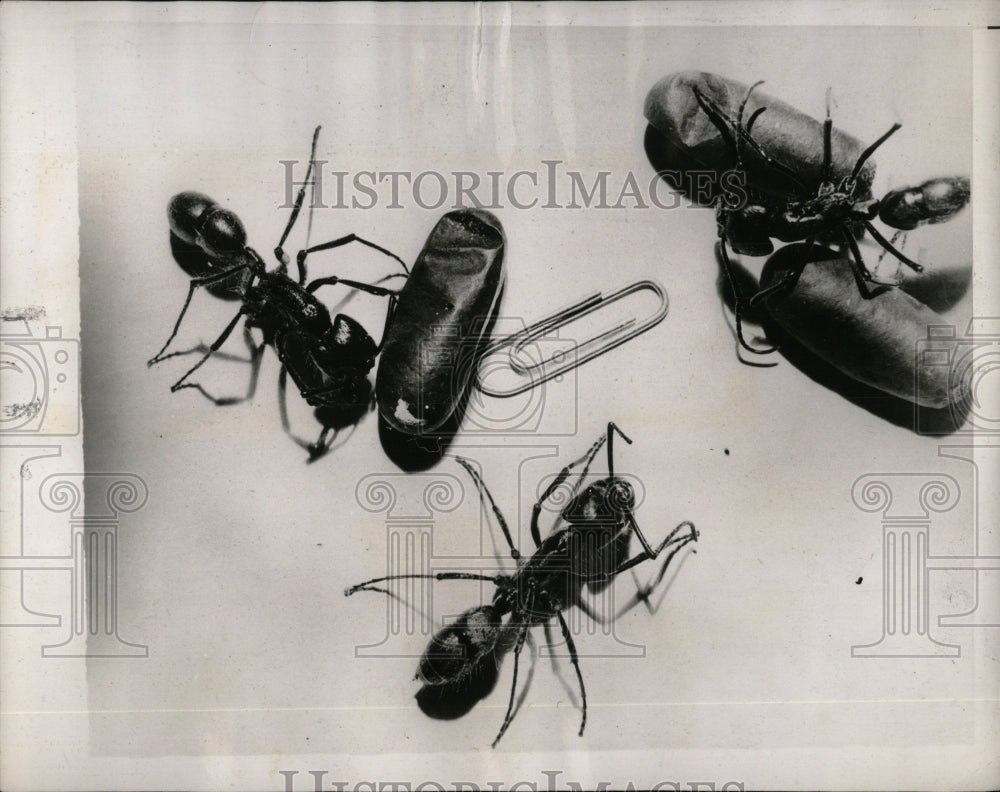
{"points": [[328, 359], [839, 207], [589, 553]]}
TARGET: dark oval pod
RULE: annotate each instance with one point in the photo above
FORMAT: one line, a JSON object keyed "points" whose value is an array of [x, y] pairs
{"points": [[441, 322], [878, 340], [784, 133]]}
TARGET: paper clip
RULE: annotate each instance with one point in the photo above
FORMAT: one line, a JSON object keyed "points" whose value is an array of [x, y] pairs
{"points": [[535, 372]]}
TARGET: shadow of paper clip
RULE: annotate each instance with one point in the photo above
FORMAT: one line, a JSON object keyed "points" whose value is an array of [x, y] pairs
{"points": [[528, 370]]}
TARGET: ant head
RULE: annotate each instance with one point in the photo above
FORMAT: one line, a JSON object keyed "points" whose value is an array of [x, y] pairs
{"points": [[455, 650], [610, 497], [620, 496]]}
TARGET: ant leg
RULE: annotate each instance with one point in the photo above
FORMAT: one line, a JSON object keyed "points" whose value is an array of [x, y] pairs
{"points": [[898, 238], [787, 281], [647, 548], [526, 685], [748, 127], [871, 150], [574, 658], [344, 240], [201, 348], [208, 280], [743, 133], [322, 445], [390, 312], [556, 670], [522, 633], [483, 489], [717, 117], [739, 136], [333, 280], [370, 288], [283, 404], [862, 275], [279, 250], [769, 161], [643, 592], [180, 384], [645, 555], [587, 458], [727, 265], [497, 580], [861, 272], [550, 642], [256, 355], [746, 138], [590, 613], [887, 245], [316, 449], [404, 602]]}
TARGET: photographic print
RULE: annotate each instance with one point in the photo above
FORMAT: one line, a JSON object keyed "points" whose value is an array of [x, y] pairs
{"points": [[502, 396]]}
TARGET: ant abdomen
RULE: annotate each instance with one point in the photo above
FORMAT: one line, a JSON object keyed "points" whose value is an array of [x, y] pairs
{"points": [[198, 220], [934, 201], [456, 649]]}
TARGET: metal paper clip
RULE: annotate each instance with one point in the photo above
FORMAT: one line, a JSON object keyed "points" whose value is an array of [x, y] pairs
{"points": [[535, 372]]}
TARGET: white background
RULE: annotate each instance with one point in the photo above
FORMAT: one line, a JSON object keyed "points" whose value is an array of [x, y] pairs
{"points": [[233, 573]]}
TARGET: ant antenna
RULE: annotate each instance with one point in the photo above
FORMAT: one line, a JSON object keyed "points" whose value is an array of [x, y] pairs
{"points": [[871, 150], [484, 490], [828, 138], [744, 132], [279, 251], [612, 428]]}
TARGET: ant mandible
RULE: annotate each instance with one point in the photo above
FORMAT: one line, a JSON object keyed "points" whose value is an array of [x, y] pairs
{"points": [[835, 206], [328, 358], [589, 553]]}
